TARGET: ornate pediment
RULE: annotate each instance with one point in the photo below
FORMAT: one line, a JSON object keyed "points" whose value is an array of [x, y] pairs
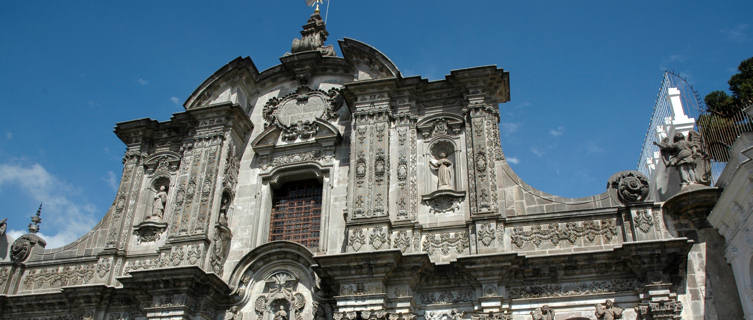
{"points": [[440, 125], [162, 163]]}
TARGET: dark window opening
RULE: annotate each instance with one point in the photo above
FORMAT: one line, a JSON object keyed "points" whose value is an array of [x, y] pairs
{"points": [[296, 212]]}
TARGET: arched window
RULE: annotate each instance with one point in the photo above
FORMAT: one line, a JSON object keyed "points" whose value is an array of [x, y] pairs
{"points": [[296, 213]]}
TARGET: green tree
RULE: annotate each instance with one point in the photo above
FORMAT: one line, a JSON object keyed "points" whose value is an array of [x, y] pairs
{"points": [[741, 85]]}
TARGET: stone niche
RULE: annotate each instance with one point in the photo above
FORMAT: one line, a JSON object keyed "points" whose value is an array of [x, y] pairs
{"points": [[440, 168]]}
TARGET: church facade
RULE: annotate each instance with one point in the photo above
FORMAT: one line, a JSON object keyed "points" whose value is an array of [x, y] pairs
{"points": [[333, 187]]}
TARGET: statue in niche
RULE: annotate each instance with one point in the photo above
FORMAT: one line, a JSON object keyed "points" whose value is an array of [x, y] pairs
{"points": [[222, 219], [444, 173], [160, 199], [543, 313], [608, 311], [281, 314]]}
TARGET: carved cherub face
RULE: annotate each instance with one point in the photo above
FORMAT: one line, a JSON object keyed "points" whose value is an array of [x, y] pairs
{"points": [[161, 188], [442, 155], [609, 303]]}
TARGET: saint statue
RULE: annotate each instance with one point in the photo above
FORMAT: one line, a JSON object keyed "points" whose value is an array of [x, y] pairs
{"points": [[608, 311], [444, 173], [159, 203], [281, 314]]}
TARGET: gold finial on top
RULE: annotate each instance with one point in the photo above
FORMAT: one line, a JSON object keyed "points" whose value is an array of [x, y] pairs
{"points": [[311, 3]]}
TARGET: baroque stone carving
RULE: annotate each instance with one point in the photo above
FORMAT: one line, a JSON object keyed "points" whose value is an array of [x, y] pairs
{"points": [[59, 276], [632, 186], [543, 313], [296, 113], [665, 309], [447, 296], [3, 226], [442, 126], [486, 233], [571, 233], [21, 248], [491, 316], [608, 311], [573, 289], [324, 155], [402, 241], [444, 201], [313, 35], [280, 298], [357, 239], [453, 314], [688, 156], [445, 241], [378, 238], [149, 231], [644, 220], [220, 248]]}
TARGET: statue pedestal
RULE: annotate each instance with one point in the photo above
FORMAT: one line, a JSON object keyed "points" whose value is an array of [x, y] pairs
{"points": [[443, 200]]}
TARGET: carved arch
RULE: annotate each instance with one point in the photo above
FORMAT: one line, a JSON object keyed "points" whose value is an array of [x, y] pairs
{"points": [[276, 274]]}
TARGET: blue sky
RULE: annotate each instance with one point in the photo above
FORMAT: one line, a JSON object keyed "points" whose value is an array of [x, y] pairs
{"points": [[583, 76]]}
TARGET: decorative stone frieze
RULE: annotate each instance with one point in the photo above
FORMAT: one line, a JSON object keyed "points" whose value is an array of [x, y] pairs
{"points": [[446, 242], [58, 276], [573, 289], [572, 232]]}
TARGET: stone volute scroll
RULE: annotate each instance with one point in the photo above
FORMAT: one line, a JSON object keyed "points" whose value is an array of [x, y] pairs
{"points": [[445, 198], [23, 246]]}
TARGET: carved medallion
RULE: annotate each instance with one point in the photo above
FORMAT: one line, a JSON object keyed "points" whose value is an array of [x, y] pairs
{"points": [[296, 113]]}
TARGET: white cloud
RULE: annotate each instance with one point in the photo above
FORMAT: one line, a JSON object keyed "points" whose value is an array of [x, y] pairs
{"points": [[513, 160], [62, 215], [8, 135], [556, 132], [509, 128], [538, 151], [112, 180], [142, 81], [737, 34], [175, 100], [592, 147]]}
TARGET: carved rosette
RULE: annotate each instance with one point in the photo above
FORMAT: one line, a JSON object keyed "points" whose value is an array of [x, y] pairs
{"points": [[631, 186]]}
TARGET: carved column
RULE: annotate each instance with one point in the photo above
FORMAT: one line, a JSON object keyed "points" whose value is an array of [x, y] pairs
{"points": [[481, 130]]}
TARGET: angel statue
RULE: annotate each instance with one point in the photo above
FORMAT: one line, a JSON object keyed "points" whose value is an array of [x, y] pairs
{"points": [[608, 311], [543, 313], [444, 173], [680, 155]]}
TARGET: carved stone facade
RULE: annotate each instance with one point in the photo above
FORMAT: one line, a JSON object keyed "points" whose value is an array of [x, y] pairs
{"points": [[421, 217]]}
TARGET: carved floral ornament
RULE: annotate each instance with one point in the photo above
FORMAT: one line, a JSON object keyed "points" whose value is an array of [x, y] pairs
{"points": [[296, 113], [162, 163], [631, 186]]}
